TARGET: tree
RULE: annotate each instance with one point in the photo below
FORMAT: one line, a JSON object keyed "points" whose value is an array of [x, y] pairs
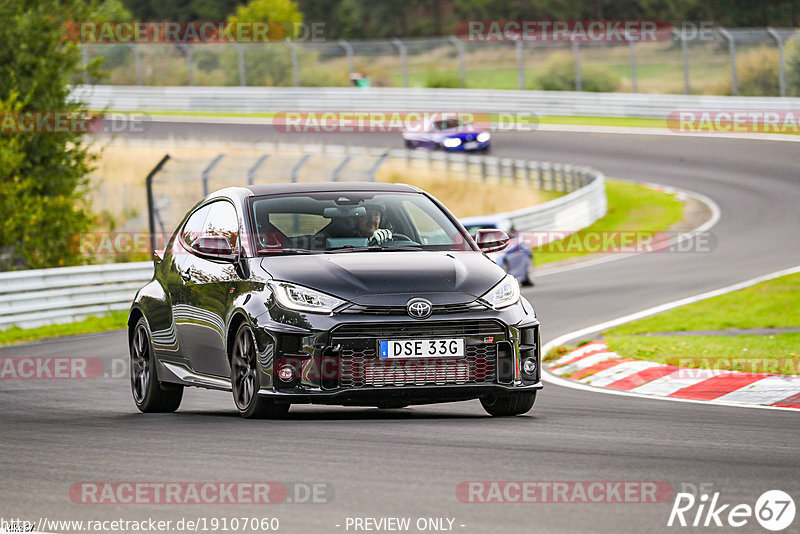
{"points": [[284, 13], [43, 176]]}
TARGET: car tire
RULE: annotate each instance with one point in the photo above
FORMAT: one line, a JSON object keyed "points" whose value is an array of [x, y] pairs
{"points": [[508, 405], [150, 395], [530, 275], [409, 145], [246, 381]]}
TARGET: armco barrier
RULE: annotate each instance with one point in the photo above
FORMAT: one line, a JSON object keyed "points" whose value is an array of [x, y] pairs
{"points": [[385, 99], [62, 295], [66, 294]]}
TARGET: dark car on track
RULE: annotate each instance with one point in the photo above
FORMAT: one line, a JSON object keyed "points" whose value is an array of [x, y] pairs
{"points": [[449, 133], [358, 294], [517, 258]]}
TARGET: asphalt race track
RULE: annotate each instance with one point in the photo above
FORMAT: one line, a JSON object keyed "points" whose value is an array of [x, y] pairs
{"points": [[407, 463]]}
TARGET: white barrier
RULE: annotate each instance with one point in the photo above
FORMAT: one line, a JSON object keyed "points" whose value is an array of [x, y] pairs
{"points": [[385, 99]]}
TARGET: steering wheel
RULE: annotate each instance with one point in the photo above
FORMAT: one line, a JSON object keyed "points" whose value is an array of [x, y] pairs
{"points": [[401, 237]]}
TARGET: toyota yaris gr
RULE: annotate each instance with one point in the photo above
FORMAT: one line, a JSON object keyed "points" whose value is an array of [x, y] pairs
{"points": [[360, 294]]}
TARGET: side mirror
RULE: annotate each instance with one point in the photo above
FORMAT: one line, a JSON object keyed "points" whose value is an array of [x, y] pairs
{"points": [[491, 240], [214, 247]]}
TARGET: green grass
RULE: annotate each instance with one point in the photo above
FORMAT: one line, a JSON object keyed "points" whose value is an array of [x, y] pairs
{"points": [[778, 353], [771, 304], [631, 208], [113, 321]]}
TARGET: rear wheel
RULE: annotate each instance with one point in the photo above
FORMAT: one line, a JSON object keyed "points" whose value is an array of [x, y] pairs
{"points": [[245, 380], [150, 395], [409, 145], [507, 405]]}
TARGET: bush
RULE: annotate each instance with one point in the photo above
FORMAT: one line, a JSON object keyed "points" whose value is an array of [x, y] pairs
{"points": [[757, 72], [559, 75]]}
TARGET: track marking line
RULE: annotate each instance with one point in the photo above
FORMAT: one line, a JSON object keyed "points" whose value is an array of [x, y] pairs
{"points": [[552, 378]]}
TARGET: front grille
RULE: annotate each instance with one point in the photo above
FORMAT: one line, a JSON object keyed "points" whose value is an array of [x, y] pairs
{"points": [[359, 365], [440, 309]]}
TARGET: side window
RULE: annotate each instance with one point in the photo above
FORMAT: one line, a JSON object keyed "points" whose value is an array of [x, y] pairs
{"points": [[194, 225], [222, 221]]}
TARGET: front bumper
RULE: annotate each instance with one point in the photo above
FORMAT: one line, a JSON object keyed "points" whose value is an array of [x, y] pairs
{"points": [[396, 396], [334, 358]]}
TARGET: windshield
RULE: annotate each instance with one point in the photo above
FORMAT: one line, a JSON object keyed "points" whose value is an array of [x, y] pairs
{"points": [[449, 124], [353, 221]]}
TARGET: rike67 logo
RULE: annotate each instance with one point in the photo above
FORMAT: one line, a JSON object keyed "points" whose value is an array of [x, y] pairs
{"points": [[774, 510]]}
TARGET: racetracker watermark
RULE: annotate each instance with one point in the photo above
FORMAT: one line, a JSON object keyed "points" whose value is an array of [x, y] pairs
{"points": [[60, 368], [734, 121], [564, 492], [698, 367], [193, 32], [542, 241], [71, 122], [616, 242], [566, 31], [206, 493], [417, 122]]}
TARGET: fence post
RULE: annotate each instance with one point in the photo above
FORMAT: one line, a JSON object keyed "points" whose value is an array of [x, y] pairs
{"points": [[576, 51], [685, 58], [207, 172], [137, 57], [462, 66], [339, 168], [520, 64], [632, 47], [189, 63], [403, 58], [295, 63], [298, 166], [781, 67], [377, 166], [251, 172], [348, 49], [241, 64], [732, 50], [151, 217]]}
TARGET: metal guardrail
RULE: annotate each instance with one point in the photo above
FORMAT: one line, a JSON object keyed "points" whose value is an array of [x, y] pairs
{"points": [[384, 99], [66, 294], [61, 295]]}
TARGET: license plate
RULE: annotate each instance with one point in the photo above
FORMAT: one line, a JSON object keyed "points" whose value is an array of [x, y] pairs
{"points": [[421, 348], [471, 144]]}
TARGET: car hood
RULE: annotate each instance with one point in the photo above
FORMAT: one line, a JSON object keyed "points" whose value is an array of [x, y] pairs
{"points": [[390, 278]]}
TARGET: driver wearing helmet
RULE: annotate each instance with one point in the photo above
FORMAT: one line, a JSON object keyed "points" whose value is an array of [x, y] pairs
{"points": [[369, 225]]}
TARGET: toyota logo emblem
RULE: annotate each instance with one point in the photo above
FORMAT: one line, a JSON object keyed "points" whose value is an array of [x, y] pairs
{"points": [[419, 308]]}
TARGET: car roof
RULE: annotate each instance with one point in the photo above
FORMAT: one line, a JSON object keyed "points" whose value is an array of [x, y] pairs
{"points": [[314, 187]]}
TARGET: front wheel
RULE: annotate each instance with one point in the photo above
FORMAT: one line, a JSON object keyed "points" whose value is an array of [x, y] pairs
{"points": [[530, 275], [150, 395], [508, 405], [245, 380]]}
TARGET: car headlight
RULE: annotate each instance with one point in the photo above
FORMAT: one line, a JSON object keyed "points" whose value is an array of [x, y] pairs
{"points": [[504, 294], [451, 142], [295, 297], [483, 137]]}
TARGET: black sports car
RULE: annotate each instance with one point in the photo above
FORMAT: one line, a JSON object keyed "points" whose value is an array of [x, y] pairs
{"points": [[361, 294]]}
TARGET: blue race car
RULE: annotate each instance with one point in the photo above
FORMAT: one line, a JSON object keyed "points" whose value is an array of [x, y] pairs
{"points": [[517, 258], [443, 132]]}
